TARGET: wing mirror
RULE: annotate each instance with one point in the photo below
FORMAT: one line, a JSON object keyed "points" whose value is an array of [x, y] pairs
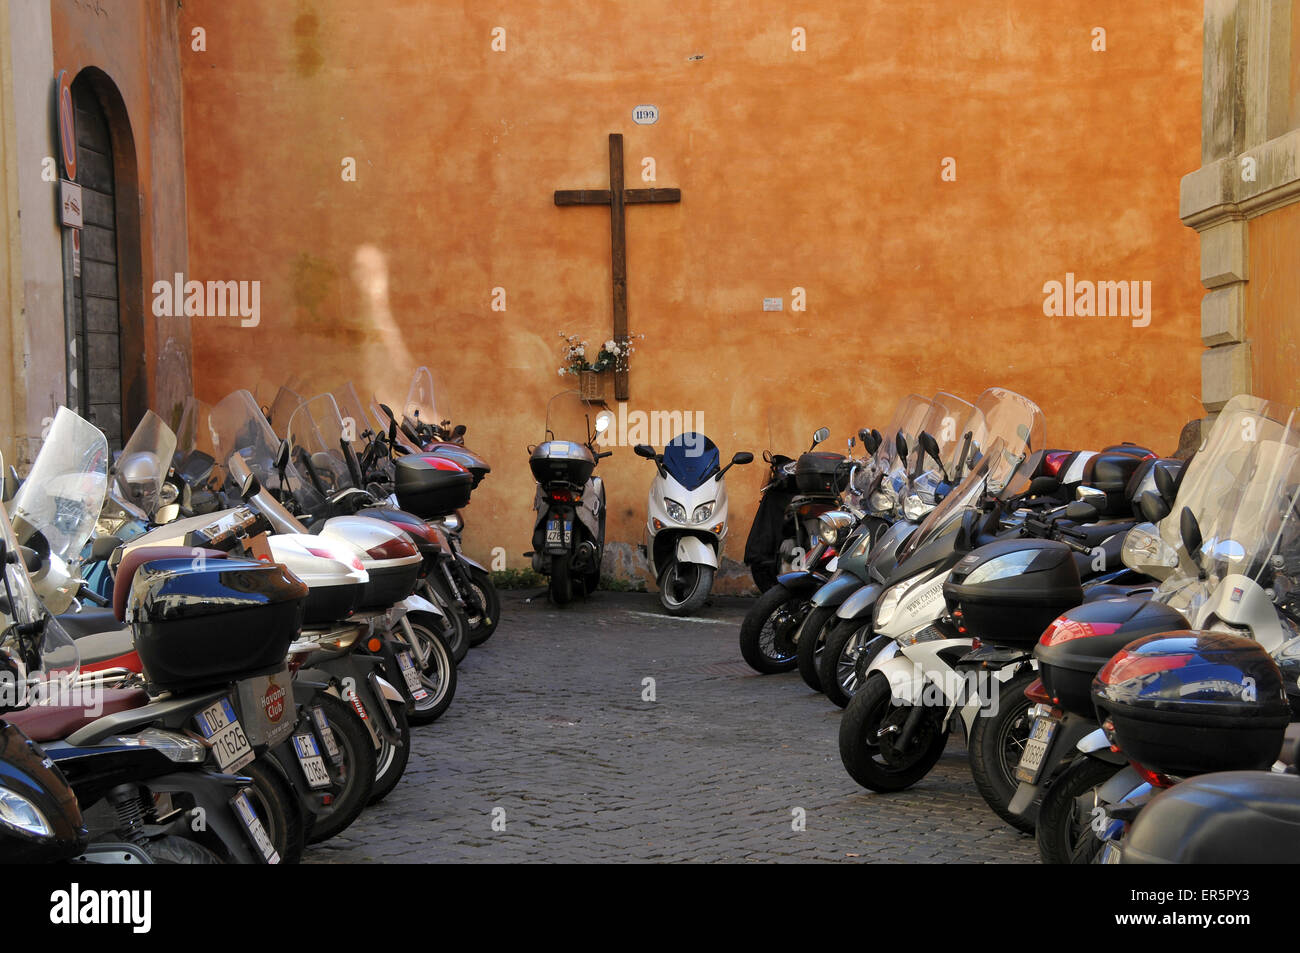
{"points": [[1165, 484], [282, 455], [1190, 532], [250, 487], [1079, 510], [821, 434], [1152, 506], [870, 440], [644, 450], [742, 457], [900, 445]]}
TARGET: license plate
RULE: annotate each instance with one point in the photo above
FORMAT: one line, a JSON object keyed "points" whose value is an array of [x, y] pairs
{"points": [[1036, 748], [412, 676], [253, 827], [218, 724], [326, 734], [313, 765], [558, 530]]}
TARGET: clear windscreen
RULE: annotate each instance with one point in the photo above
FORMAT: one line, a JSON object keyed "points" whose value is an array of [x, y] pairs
{"points": [[242, 430], [143, 464], [55, 653], [316, 444], [64, 493], [569, 417], [420, 407], [907, 419], [356, 422], [282, 408], [1011, 426], [1261, 519]]}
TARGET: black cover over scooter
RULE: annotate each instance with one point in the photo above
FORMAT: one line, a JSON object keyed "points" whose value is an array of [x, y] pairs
{"points": [[1078, 643], [766, 532], [1233, 817]]}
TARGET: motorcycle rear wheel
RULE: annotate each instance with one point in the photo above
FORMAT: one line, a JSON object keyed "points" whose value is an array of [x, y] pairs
{"points": [[438, 677], [996, 743], [482, 584], [870, 758], [391, 758], [357, 770], [1064, 831], [560, 585], [455, 626]]}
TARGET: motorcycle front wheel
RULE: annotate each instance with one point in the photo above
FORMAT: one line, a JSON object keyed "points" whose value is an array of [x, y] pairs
{"points": [[354, 777], [391, 758], [455, 628], [868, 728], [811, 642], [684, 587], [851, 645], [437, 678], [486, 592], [767, 634]]}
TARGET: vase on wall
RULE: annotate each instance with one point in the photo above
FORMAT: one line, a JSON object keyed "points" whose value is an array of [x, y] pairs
{"points": [[591, 385]]}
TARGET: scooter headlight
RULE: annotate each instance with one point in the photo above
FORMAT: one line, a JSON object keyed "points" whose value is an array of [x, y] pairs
{"points": [[888, 604], [675, 510], [21, 814], [834, 526], [702, 512]]}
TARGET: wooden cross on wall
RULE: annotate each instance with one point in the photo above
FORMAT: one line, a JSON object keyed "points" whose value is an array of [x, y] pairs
{"points": [[616, 197]]}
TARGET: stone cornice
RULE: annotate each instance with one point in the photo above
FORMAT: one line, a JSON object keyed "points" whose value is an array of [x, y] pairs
{"points": [[1218, 193]]}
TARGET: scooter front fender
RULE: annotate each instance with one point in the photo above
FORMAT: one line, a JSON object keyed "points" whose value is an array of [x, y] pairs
{"points": [[417, 604], [862, 603], [692, 549], [906, 680], [802, 583], [469, 562], [836, 589]]}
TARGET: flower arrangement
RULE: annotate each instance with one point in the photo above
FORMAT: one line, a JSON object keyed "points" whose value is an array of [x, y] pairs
{"points": [[613, 355]]}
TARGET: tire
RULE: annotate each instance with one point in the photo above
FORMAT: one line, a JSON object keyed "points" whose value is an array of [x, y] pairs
{"points": [[277, 807], [677, 600], [995, 745], [438, 677], [767, 634], [357, 772], [561, 583], [391, 758], [872, 762], [810, 641], [455, 628], [851, 645], [170, 849], [1063, 833], [483, 586]]}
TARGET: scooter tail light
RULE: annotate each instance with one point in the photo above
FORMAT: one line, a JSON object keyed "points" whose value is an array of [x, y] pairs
{"points": [[396, 548], [1064, 629], [1153, 778], [1037, 692]]}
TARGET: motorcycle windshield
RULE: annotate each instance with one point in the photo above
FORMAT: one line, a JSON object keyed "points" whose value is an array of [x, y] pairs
{"points": [[282, 408], [242, 430], [420, 407], [1005, 428], [569, 417], [1212, 482], [63, 495], [318, 446], [908, 415], [355, 419], [196, 445], [404, 440], [1259, 520], [54, 652], [143, 464], [949, 421], [690, 459]]}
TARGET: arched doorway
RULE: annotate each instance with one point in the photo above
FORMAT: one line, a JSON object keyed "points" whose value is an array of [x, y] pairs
{"points": [[106, 373]]}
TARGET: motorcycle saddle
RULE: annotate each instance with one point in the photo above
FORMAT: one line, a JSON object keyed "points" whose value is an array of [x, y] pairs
{"points": [[55, 722], [88, 622]]}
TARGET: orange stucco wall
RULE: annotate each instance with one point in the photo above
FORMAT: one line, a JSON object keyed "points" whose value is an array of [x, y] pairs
{"points": [[816, 169], [1272, 303]]}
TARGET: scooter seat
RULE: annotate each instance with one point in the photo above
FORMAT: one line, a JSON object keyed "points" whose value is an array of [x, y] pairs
{"points": [[55, 722], [89, 622], [102, 646]]}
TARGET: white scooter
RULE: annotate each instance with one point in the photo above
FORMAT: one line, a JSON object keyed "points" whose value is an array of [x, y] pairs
{"points": [[687, 518]]}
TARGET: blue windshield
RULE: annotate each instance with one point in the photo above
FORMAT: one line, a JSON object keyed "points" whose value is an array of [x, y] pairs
{"points": [[690, 459]]}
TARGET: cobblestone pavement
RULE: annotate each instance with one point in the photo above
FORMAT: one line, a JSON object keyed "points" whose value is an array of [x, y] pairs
{"points": [[549, 725]]}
